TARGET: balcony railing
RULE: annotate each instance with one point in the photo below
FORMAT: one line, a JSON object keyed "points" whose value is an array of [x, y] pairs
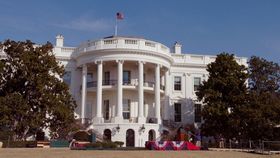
{"points": [[149, 84], [92, 84], [125, 82], [122, 42], [152, 84], [109, 82], [104, 83]]}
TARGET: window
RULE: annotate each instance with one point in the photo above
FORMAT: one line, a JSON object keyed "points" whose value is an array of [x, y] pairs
{"points": [[196, 81], [67, 78], [89, 77], [126, 77], [177, 112], [126, 109], [177, 83], [90, 80], [197, 113], [107, 78], [106, 109], [144, 77], [145, 108]]}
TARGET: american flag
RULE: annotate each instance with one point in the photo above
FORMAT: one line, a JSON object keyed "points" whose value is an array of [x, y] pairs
{"points": [[120, 16]]}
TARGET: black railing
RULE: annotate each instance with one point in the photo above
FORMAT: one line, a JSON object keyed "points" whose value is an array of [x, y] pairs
{"points": [[104, 83], [109, 82], [92, 84], [125, 82], [152, 120], [149, 84]]}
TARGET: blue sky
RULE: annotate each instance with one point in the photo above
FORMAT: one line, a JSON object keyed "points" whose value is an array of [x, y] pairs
{"points": [[242, 27]]}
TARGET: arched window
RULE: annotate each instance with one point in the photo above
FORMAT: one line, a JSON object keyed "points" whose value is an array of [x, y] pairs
{"points": [[107, 135], [130, 138], [152, 135]]}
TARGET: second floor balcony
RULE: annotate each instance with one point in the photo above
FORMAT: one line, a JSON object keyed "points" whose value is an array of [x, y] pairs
{"points": [[130, 83]]}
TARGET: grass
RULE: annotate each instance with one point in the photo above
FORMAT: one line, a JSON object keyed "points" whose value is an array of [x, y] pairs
{"points": [[67, 153]]}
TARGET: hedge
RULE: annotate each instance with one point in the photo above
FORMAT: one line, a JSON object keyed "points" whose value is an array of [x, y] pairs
{"points": [[59, 143], [81, 136], [119, 143], [19, 144]]}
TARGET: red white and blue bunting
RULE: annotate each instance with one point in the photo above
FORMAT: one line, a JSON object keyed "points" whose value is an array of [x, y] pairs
{"points": [[170, 145]]}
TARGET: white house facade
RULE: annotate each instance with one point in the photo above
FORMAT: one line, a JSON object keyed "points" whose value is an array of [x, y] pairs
{"points": [[130, 89]]}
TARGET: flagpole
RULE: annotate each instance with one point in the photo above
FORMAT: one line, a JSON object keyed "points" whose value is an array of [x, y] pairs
{"points": [[119, 16], [116, 27]]}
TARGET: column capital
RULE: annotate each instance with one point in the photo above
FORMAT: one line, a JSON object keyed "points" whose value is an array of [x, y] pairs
{"points": [[120, 61], [187, 74], [141, 62], [167, 72], [84, 65], [160, 66], [98, 62], [84, 68]]}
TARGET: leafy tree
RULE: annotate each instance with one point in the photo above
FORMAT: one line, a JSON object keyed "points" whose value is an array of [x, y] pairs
{"points": [[1, 65], [264, 75], [32, 95], [263, 111], [223, 94]]}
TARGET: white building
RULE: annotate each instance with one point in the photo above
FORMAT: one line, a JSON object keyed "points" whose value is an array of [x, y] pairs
{"points": [[130, 88]]}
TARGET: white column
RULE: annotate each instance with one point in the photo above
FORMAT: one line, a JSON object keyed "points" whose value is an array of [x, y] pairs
{"points": [[98, 117], [84, 93], [166, 95], [141, 118], [119, 116], [157, 93], [188, 83]]}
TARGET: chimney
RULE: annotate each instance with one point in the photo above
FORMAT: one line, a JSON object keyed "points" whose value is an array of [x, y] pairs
{"points": [[59, 40], [177, 48]]}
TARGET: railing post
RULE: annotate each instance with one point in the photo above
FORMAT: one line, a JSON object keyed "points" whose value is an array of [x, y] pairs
{"points": [[262, 146], [250, 144]]}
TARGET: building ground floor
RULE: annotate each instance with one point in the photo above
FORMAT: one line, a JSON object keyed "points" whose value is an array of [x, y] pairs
{"points": [[132, 134]]}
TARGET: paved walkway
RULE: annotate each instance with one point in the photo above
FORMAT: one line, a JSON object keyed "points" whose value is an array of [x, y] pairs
{"points": [[246, 150]]}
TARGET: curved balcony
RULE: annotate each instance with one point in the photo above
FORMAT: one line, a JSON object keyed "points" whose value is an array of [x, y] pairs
{"points": [[123, 43], [147, 84], [93, 84]]}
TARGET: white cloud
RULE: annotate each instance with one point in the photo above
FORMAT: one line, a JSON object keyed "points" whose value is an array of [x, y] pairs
{"points": [[85, 24]]}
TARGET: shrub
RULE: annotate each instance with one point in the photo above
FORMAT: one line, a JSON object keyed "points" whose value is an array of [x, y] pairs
{"points": [[272, 147], [93, 145], [81, 136], [110, 145], [19, 144], [119, 143], [4, 135], [59, 143]]}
